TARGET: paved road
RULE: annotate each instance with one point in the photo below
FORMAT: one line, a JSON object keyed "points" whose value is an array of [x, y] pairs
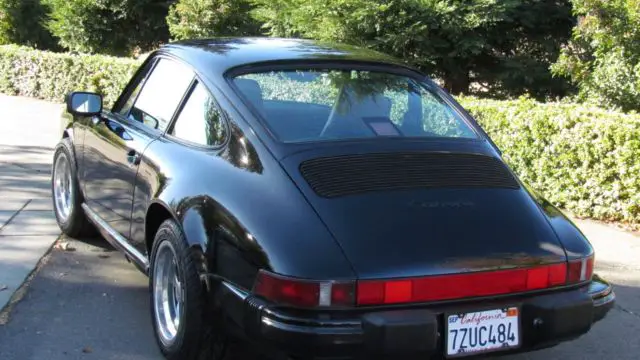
{"points": [[87, 302]]}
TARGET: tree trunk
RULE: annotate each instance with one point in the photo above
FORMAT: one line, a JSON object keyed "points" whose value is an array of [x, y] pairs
{"points": [[457, 82]]}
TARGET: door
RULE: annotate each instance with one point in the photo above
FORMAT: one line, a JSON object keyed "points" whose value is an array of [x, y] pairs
{"points": [[115, 142], [197, 129]]}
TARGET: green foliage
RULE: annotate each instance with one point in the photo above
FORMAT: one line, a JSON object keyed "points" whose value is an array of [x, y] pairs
{"points": [[603, 57], [21, 22], [50, 76], [116, 27], [192, 19], [582, 158], [504, 45]]}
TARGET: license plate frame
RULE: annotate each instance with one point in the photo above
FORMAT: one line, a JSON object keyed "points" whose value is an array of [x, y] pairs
{"points": [[484, 351]]}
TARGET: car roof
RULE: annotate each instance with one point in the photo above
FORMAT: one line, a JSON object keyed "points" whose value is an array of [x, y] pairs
{"points": [[223, 54]]}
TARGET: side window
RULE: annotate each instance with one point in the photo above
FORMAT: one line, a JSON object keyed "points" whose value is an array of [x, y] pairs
{"points": [[159, 97], [200, 121]]}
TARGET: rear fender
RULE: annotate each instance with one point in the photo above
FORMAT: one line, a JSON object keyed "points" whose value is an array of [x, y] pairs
{"points": [[573, 240], [223, 248]]}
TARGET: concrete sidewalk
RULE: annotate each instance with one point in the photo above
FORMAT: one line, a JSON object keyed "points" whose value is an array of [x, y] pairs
{"points": [[27, 223]]}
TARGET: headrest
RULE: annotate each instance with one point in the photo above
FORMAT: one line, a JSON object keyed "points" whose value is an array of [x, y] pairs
{"points": [[251, 89], [346, 119], [373, 105]]}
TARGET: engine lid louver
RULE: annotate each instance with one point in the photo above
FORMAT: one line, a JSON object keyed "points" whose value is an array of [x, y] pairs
{"points": [[354, 174]]}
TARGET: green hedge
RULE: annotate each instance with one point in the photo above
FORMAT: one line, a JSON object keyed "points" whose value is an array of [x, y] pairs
{"points": [[584, 159], [47, 75]]}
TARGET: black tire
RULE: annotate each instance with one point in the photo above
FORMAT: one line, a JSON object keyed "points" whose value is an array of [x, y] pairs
{"points": [[197, 337], [75, 224]]}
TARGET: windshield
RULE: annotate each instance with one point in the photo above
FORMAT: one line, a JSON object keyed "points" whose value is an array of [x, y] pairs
{"points": [[314, 105]]}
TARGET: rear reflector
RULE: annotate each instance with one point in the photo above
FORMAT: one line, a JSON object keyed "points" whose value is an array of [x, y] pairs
{"points": [[304, 293], [456, 286]]}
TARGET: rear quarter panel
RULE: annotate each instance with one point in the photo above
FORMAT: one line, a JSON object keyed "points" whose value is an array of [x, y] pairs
{"points": [[238, 208], [576, 244]]}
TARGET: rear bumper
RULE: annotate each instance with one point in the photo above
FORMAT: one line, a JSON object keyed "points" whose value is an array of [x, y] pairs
{"points": [[603, 297], [416, 332]]}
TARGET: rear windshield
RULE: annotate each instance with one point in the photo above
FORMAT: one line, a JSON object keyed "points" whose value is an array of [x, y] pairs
{"points": [[315, 105]]}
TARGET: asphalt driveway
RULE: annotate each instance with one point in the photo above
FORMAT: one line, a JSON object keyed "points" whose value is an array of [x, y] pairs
{"points": [[85, 301]]}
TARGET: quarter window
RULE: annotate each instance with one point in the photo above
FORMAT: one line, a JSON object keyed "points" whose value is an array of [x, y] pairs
{"points": [[200, 121], [161, 94], [126, 107]]}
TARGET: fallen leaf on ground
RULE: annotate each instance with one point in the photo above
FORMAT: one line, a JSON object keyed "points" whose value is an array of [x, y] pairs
{"points": [[3, 287], [103, 256], [64, 246]]}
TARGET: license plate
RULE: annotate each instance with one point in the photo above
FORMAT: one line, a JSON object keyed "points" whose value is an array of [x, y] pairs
{"points": [[482, 331]]}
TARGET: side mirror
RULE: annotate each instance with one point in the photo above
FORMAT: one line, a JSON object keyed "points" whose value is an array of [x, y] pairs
{"points": [[84, 103]]}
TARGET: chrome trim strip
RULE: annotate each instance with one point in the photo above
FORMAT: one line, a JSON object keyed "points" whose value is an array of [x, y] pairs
{"points": [[328, 323], [601, 293], [597, 288], [604, 300], [319, 330], [116, 239], [239, 293]]}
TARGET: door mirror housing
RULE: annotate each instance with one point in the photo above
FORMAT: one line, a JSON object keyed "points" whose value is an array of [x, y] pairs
{"points": [[84, 103]]}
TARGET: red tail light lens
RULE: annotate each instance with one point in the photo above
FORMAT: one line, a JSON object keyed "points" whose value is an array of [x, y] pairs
{"points": [[581, 270], [457, 286], [304, 293], [317, 294]]}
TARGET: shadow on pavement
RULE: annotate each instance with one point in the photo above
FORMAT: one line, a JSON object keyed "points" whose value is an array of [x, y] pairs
{"points": [[85, 301], [25, 171]]}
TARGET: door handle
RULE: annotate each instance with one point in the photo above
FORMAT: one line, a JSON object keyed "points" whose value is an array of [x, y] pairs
{"points": [[133, 157]]}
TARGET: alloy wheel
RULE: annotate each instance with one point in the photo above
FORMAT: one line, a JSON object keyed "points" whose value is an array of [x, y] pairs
{"points": [[168, 295], [62, 187]]}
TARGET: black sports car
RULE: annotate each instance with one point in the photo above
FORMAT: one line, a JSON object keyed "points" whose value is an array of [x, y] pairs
{"points": [[319, 201]]}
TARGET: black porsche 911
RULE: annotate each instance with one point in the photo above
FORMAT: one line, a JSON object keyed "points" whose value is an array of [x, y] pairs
{"points": [[319, 201]]}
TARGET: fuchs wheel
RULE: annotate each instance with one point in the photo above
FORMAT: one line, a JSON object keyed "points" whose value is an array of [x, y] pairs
{"points": [[181, 319], [67, 199]]}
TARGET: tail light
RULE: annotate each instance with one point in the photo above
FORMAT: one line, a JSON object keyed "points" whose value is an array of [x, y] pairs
{"points": [[304, 293], [457, 286], [581, 269], [319, 294]]}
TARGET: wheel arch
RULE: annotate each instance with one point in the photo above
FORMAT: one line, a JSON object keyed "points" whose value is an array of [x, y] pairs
{"points": [[66, 126], [68, 134], [222, 246], [157, 213], [189, 222]]}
